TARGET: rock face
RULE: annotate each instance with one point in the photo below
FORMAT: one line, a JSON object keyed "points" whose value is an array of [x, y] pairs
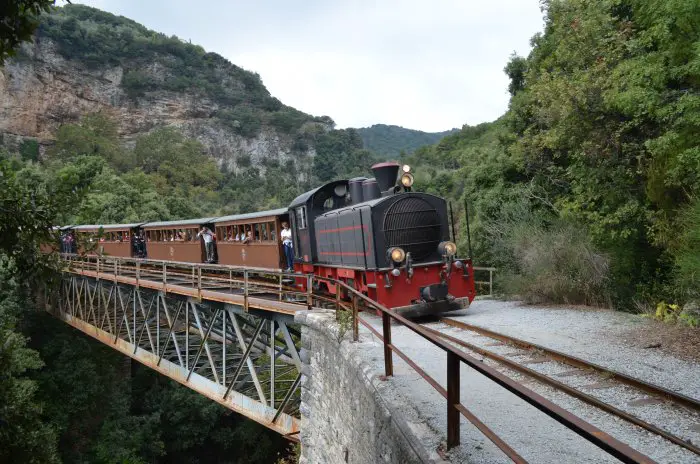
{"points": [[41, 90]]}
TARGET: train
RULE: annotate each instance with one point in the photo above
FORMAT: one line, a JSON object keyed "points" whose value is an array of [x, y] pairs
{"points": [[374, 234]]}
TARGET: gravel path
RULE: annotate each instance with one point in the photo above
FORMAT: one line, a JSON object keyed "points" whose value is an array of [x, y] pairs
{"points": [[589, 334], [595, 335]]}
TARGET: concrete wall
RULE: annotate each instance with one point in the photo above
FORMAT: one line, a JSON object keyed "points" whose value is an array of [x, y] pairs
{"points": [[344, 418]]}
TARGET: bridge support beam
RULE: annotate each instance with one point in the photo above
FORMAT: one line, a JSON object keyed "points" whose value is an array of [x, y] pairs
{"points": [[196, 343]]}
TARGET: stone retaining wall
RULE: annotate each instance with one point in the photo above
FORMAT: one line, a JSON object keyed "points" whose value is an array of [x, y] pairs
{"points": [[344, 418]]}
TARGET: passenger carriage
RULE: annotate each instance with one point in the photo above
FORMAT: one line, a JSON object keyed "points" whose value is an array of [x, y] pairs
{"points": [[177, 240], [106, 239], [265, 248]]}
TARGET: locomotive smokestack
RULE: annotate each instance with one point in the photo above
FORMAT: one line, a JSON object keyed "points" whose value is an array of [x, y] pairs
{"points": [[385, 173]]}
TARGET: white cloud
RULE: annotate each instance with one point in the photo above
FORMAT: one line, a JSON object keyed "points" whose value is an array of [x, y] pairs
{"points": [[429, 65]]}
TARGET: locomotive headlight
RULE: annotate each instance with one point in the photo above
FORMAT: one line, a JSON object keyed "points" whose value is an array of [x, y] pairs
{"points": [[406, 168], [397, 254], [447, 248], [407, 179]]}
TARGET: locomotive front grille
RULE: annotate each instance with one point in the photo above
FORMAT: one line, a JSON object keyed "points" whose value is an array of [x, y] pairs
{"points": [[414, 225]]}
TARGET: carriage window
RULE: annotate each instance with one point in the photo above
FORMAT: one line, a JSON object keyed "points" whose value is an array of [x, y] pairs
{"points": [[256, 232], [301, 217], [273, 232]]}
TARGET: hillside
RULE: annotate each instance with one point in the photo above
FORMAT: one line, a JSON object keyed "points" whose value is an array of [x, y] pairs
{"points": [[587, 189], [84, 60], [390, 141]]}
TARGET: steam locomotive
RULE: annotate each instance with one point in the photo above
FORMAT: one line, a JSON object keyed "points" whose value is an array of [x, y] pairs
{"points": [[384, 240], [376, 235]]}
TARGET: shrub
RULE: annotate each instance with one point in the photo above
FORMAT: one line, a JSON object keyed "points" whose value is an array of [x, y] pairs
{"points": [[549, 261], [29, 150], [687, 255]]}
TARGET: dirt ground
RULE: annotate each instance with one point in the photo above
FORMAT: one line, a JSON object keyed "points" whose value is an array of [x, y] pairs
{"points": [[680, 341]]}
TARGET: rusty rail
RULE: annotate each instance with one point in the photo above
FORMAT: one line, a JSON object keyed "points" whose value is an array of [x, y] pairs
{"points": [[573, 361], [569, 390]]}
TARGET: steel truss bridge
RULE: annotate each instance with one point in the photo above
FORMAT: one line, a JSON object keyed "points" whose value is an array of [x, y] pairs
{"points": [[227, 333]]}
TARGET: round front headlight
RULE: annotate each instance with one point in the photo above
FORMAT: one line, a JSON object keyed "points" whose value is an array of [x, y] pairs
{"points": [[407, 179], [406, 168], [447, 248], [397, 254]]}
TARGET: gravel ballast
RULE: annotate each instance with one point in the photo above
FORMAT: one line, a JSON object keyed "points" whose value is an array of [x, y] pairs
{"points": [[593, 335]]}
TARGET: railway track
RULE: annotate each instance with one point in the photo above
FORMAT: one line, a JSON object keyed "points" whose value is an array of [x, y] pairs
{"points": [[682, 407]]}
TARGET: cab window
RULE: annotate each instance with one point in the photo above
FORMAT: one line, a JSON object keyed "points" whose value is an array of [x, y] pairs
{"points": [[301, 217]]}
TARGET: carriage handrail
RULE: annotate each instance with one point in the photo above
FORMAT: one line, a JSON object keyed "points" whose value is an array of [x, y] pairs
{"points": [[455, 357]]}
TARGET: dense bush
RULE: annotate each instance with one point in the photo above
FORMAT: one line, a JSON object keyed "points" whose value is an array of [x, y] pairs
{"points": [[687, 255], [550, 262]]}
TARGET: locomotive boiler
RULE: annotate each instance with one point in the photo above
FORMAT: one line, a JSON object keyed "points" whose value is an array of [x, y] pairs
{"points": [[384, 240]]}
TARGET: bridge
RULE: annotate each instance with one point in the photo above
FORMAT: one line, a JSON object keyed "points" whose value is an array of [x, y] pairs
{"points": [[233, 335]]}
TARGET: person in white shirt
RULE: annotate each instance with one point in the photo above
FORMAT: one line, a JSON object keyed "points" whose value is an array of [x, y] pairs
{"points": [[208, 237], [286, 235]]}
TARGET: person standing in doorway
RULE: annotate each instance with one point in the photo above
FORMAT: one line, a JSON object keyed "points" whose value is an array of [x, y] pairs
{"points": [[208, 237], [286, 235]]}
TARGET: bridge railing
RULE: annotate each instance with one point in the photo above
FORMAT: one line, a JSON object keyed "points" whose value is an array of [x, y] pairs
{"points": [[247, 285], [250, 282]]}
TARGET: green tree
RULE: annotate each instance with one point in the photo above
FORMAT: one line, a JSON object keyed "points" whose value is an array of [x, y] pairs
{"points": [[180, 161], [26, 216], [19, 20]]}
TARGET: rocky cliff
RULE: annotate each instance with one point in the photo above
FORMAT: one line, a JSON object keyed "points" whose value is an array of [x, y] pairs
{"points": [[84, 60]]}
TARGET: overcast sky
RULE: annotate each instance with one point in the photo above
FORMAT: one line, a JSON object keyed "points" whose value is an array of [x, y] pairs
{"points": [[422, 64]]}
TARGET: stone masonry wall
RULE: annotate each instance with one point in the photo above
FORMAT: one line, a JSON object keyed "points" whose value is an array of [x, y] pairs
{"points": [[344, 419]]}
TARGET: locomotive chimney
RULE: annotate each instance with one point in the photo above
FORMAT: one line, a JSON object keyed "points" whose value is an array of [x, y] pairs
{"points": [[370, 190], [385, 173], [355, 185]]}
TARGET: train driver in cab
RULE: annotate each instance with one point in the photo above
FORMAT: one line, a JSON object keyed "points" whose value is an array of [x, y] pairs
{"points": [[286, 235]]}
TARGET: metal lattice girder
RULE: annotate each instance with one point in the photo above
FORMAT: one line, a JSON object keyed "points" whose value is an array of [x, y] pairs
{"points": [[247, 362]]}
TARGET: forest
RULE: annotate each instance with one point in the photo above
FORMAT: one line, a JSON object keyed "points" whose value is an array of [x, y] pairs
{"points": [[584, 191]]}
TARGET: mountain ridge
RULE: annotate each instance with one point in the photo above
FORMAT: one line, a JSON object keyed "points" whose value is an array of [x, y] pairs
{"points": [[391, 140], [84, 60]]}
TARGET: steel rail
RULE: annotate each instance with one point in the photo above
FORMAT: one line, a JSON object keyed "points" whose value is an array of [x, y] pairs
{"points": [[570, 391], [483, 428], [580, 363], [614, 447]]}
